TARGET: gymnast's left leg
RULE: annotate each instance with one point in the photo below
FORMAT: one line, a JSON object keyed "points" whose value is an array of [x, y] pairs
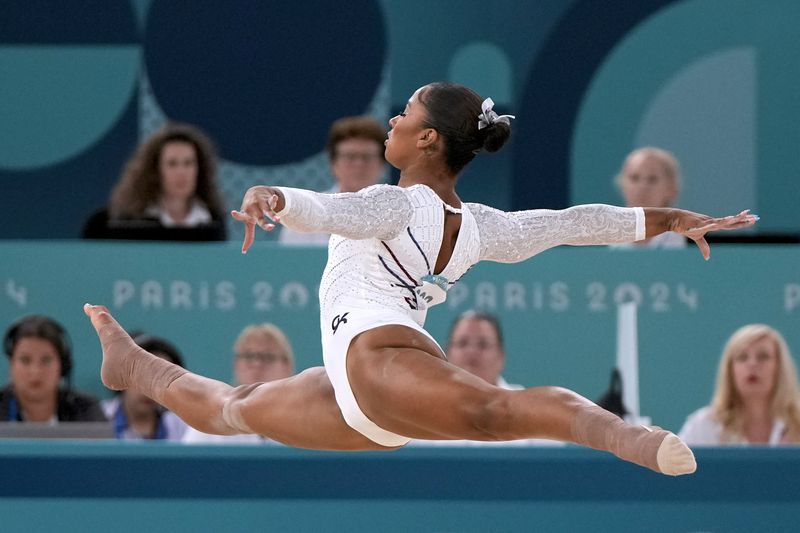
{"points": [[403, 384], [300, 411]]}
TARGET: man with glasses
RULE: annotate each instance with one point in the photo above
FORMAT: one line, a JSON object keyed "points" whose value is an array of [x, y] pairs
{"points": [[262, 353], [476, 345], [355, 151]]}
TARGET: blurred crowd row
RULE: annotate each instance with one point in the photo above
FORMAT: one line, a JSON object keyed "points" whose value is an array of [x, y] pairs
{"points": [[756, 399], [168, 189]]}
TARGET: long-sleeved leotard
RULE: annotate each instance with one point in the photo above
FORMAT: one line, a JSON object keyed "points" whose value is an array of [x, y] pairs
{"points": [[386, 240], [383, 249]]}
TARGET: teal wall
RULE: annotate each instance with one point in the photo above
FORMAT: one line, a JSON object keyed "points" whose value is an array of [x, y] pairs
{"points": [[589, 80], [713, 81], [98, 487], [558, 309]]}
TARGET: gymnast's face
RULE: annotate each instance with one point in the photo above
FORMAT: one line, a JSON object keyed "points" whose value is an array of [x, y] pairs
{"points": [[35, 370], [407, 131], [645, 182], [178, 169], [474, 346], [755, 369]]}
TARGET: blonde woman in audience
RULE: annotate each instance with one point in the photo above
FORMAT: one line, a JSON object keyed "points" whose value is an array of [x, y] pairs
{"points": [[651, 177], [262, 353], [757, 400]]}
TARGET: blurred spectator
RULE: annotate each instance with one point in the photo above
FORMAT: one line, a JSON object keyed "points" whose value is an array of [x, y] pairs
{"points": [[40, 356], [757, 400], [651, 177], [355, 152], [476, 345], [262, 353], [168, 191], [137, 417]]}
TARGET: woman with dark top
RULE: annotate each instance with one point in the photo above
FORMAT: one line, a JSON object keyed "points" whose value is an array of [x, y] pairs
{"points": [[168, 191], [40, 357]]}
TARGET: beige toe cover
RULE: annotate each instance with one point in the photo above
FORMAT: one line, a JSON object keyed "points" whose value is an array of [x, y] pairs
{"points": [[674, 457]]}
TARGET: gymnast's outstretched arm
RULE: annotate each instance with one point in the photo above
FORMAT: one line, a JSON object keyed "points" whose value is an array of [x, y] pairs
{"points": [[380, 211], [510, 237]]}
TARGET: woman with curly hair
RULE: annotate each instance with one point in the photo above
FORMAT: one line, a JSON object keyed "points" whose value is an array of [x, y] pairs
{"points": [[170, 183]]}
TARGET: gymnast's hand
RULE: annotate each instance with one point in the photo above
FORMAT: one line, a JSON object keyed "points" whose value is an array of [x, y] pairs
{"points": [[695, 226], [259, 205]]}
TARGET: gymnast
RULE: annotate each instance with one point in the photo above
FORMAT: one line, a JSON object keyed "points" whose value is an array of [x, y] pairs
{"points": [[394, 253]]}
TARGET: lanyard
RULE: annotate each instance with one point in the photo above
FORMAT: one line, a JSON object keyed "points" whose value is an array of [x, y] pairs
{"points": [[121, 425], [13, 410]]}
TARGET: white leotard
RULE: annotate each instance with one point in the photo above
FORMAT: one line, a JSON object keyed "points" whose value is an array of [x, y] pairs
{"points": [[386, 238], [383, 249]]}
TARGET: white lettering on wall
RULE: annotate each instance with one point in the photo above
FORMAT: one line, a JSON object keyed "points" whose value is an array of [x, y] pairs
{"points": [[505, 296], [791, 297], [177, 295], [17, 293], [180, 295], [122, 292], [152, 295], [514, 296]]}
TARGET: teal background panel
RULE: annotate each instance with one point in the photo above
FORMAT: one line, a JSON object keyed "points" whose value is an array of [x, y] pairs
{"points": [[558, 310]]}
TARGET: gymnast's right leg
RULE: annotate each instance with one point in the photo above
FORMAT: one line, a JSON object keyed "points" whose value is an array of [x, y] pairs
{"points": [[299, 411]]}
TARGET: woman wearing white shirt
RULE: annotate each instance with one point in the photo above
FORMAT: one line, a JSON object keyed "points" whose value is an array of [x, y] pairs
{"points": [[169, 187], [757, 400]]}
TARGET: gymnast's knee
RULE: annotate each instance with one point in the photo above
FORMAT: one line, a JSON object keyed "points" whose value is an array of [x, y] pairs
{"points": [[232, 407]]}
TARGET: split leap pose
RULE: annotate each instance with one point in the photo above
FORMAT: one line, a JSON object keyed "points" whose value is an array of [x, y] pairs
{"points": [[394, 253]]}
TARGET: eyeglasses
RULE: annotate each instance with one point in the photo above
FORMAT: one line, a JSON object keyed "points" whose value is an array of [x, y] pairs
{"points": [[261, 357], [480, 344], [353, 157]]}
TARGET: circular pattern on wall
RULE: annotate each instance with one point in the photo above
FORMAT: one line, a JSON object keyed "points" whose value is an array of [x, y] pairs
{"points": [[68, 74], [307, 66]]}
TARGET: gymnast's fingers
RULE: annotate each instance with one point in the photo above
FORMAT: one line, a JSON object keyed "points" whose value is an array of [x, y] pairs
{"points": [[249, 236], [249, 228]]}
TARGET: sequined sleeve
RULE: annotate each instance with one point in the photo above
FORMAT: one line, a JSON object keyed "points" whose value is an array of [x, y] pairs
{"points": [[509, 237], [380, 211]]}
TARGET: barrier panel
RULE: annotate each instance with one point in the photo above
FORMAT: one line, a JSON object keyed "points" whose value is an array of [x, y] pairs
{"points": [[112, 486]]}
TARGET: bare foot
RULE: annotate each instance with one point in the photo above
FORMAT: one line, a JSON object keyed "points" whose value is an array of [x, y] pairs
{"points": [[119, 350]]}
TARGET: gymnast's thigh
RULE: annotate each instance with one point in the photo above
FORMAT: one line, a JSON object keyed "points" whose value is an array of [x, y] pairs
{"points": [[403, 384], [301, 411]]}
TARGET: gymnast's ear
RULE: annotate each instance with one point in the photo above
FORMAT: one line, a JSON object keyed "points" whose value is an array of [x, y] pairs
{"points": [[427, 138]]}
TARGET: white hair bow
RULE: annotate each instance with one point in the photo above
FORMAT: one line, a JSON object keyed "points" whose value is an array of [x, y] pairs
{"points": [[489, 117]]}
